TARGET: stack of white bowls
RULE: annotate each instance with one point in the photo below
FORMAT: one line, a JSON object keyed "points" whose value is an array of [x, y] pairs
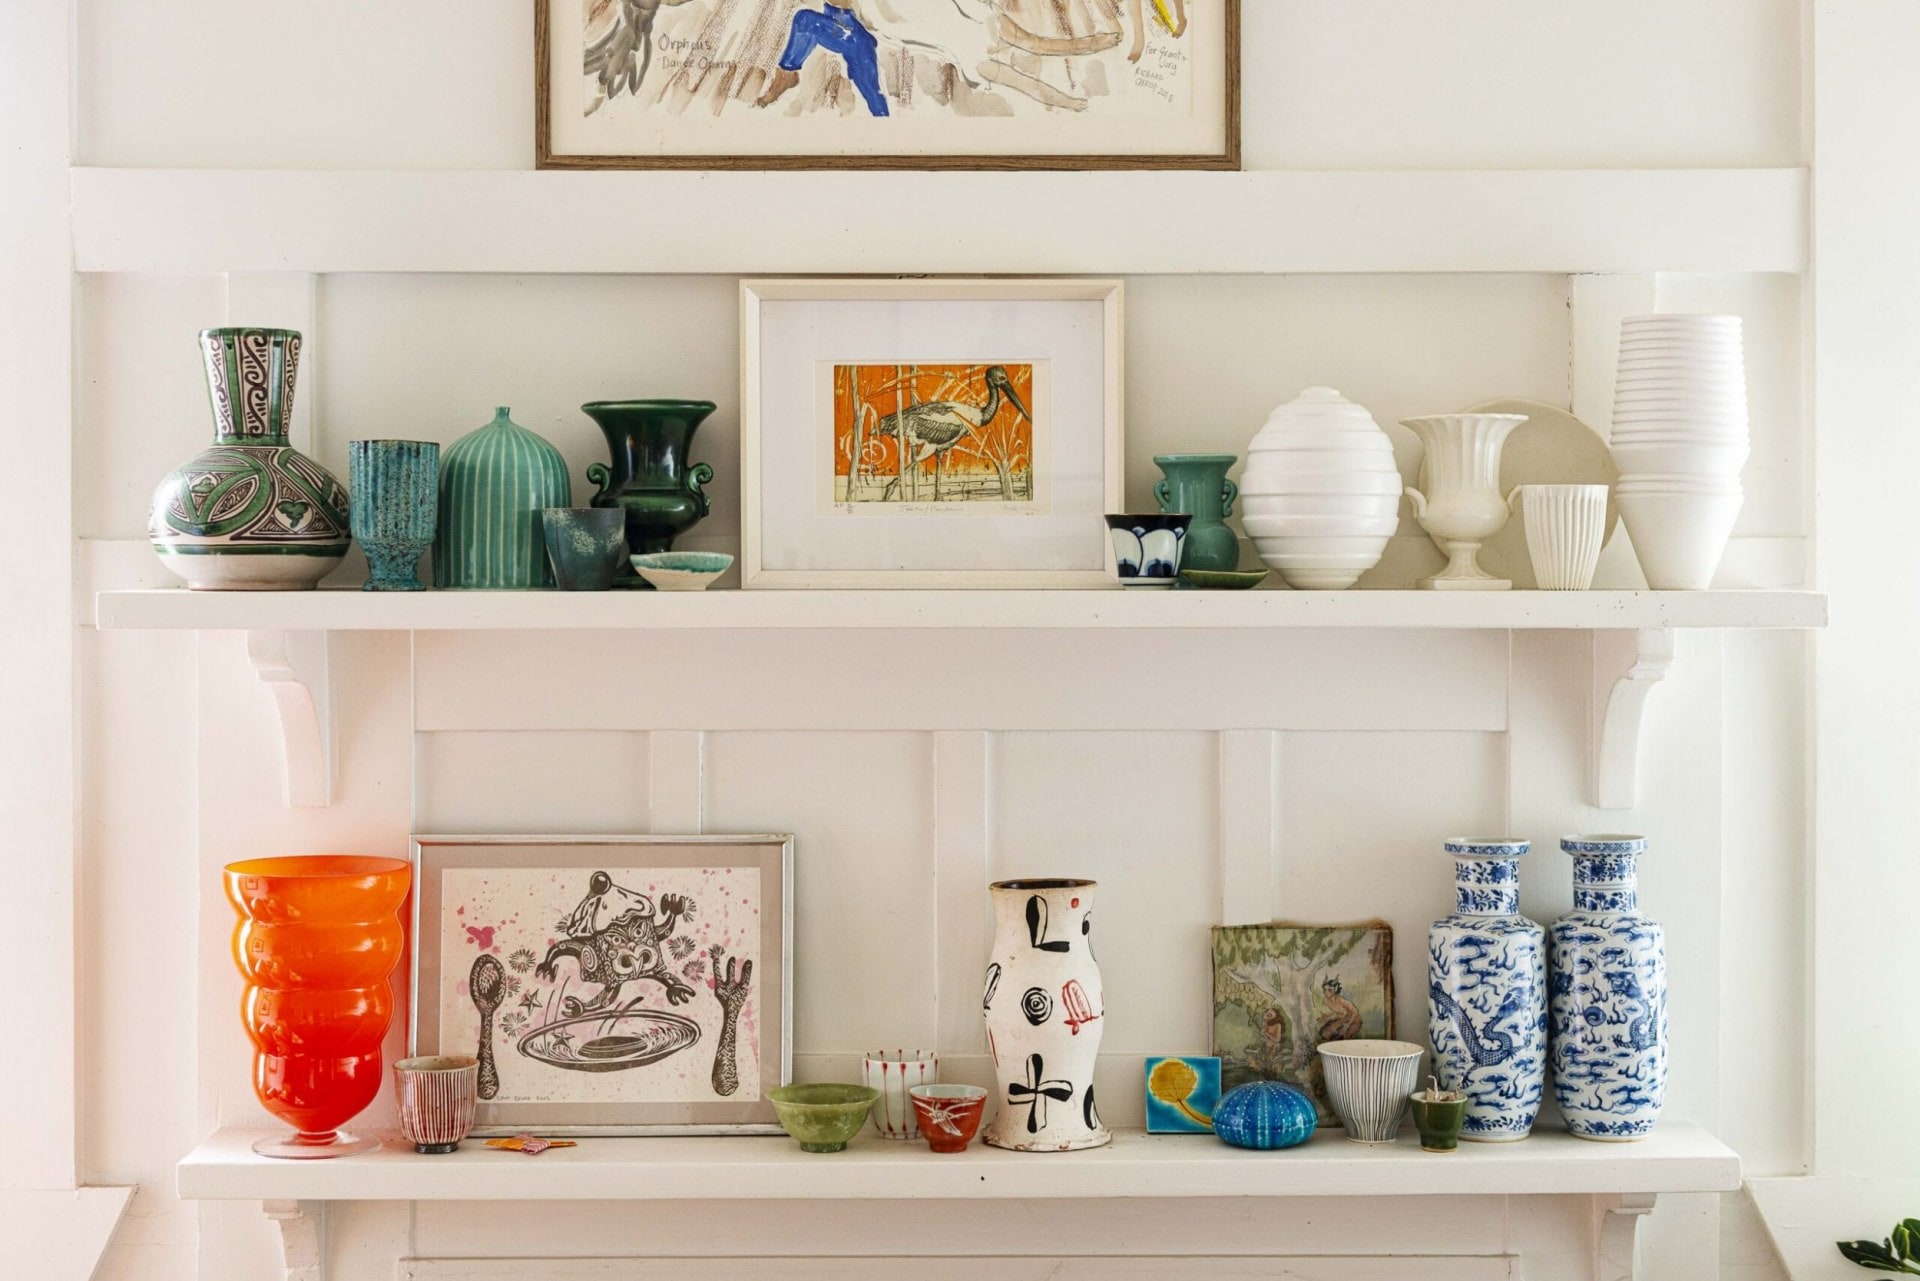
{"points": [[1680, 439], [1320, 495]]}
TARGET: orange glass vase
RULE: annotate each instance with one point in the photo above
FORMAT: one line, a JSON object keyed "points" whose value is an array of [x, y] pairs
{"points": [[319, 936]]}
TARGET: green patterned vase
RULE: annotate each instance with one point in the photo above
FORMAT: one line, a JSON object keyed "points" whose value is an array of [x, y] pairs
{"points": [[252, 513], [494, 483]]}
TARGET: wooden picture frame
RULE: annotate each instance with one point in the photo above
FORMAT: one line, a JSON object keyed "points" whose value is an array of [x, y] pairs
{"points": [[806, 345], [697, 1026], [1020, 123]]}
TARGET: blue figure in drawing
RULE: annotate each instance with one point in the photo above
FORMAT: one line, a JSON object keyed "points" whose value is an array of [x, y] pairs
{"points": [[836, 29]]}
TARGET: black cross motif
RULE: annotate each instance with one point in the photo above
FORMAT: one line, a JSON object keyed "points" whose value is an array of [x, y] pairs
{"points": [[1035, 1093]]}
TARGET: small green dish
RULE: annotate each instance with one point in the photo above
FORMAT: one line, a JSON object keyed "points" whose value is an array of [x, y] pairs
{"points": [[1230, 579], [821, 1118]]}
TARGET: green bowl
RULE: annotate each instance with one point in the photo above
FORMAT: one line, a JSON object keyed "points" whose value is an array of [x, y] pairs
{"points": [[681, 571], [1236, 579], [822, 1117]]}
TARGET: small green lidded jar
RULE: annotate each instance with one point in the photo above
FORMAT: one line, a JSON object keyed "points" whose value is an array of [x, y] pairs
{"points": [[1438, 1115]]}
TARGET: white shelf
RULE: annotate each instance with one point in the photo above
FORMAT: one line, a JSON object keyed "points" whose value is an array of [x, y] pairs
{"points": [[177, 608], [1559, 221], [1676, 1158]]}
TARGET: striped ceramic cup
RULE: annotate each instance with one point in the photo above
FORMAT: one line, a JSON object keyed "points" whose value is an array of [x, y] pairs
{"points": [[1369, 1083], [893, 1073], [437, 1097]]}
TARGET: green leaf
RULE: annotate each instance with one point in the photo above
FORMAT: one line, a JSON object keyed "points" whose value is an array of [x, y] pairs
{"points": [[1870, 1254], [1906, 1239]]}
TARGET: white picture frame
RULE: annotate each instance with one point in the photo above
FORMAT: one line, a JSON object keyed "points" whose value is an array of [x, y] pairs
{"points": [[609, 1099], [800, 340]]}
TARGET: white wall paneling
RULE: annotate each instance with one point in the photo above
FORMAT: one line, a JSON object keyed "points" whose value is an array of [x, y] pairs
{"points": [[1607, 220], [1187, 1268], [1207, 759]]}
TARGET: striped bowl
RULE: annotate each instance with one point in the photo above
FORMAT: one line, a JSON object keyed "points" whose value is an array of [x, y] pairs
{"points": [[437, 1098], [1369, 1083]]}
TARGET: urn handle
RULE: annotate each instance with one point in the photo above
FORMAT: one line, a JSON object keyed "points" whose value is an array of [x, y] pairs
{"points": [[1419, 503], [1228, 493], [1512, 498], [1163, 494], [601, 475], [697, 475]]}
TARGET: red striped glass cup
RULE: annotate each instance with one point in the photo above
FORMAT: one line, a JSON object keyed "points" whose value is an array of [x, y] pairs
{"points": [[437, 1098]]}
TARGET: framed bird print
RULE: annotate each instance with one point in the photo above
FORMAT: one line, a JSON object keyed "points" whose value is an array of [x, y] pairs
{"points": [[929, 433], [608, 984], [901, 84]]}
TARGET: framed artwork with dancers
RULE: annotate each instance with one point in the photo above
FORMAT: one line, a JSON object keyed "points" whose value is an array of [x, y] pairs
{"points": [[608, 984], [898, 84]]}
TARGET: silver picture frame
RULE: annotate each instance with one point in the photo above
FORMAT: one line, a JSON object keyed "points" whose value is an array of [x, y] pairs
{"points": [[588, 855]]}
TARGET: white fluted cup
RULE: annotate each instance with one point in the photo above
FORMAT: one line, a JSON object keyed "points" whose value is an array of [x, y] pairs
{"points": [[894, 1073], [1370, 1084], [438, 1095], [1566, 526]]}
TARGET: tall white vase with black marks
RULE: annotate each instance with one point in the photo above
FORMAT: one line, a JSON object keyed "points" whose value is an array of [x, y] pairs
{"points": [[1608, 1002], [1043, 1009], [1487, 993]]}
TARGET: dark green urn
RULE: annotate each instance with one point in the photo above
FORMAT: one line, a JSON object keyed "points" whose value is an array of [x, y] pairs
{"points": [[651, 478]]}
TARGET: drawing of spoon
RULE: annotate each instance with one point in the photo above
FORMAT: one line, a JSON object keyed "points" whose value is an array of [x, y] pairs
{"points": [[487, 984], [1173, 1083]]}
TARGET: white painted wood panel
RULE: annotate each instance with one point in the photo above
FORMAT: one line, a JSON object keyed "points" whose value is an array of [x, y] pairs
{"points": [[852, 222], [1138, 813], [1365, 815], [861, 809], [1327, 86], [1190, 1268], [995, 680], [823, 1227], [551, 781]]}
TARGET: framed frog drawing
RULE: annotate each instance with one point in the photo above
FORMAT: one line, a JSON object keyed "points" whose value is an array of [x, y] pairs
{"points": [[608, 984]]}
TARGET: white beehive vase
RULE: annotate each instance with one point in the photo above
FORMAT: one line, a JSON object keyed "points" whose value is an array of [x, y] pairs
{"points": [[1320, 493]]}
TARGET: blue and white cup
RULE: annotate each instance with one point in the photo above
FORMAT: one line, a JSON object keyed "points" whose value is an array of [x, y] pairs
{"points": [[1146, 548]]}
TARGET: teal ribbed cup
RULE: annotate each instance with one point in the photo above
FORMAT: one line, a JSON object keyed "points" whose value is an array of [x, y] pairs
{"points": [[395, 486], [494, 483]]}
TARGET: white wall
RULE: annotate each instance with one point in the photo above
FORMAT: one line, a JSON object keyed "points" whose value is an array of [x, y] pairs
{"points": [[1340, 816]]}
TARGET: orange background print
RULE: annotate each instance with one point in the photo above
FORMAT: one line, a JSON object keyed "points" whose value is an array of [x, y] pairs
{"points": [[950, 459]]}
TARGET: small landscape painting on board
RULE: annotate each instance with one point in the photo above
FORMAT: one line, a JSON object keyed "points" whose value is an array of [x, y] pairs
{"points": [[604, 985], [1279, 990], [951, 437]]}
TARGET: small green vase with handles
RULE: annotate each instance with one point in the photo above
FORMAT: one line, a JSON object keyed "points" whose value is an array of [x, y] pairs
{"points": [[651, 477], [1197, 485]]}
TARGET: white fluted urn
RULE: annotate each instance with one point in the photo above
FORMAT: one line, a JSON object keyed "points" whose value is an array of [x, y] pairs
{"points": [[1320, 492], [1458, 501]]}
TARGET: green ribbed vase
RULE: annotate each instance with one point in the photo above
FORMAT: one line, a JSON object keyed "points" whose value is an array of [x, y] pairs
{"points": [[494, 483]]}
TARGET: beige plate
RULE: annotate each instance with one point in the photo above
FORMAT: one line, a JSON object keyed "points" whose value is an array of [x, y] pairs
{"points": [[1551, 448]]}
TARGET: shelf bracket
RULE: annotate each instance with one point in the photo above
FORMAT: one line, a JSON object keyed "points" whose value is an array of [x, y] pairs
{"points": [[302, 1227], [296, 669], [1616, 1235], [1626, 667]]}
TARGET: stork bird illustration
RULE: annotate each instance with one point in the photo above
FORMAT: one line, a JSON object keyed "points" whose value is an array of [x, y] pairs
{"points": [[933, 427]]}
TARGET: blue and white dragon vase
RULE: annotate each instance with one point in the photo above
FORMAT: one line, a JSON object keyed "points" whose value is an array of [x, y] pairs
{"points": [[1487, 993], [1609, 996]]}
